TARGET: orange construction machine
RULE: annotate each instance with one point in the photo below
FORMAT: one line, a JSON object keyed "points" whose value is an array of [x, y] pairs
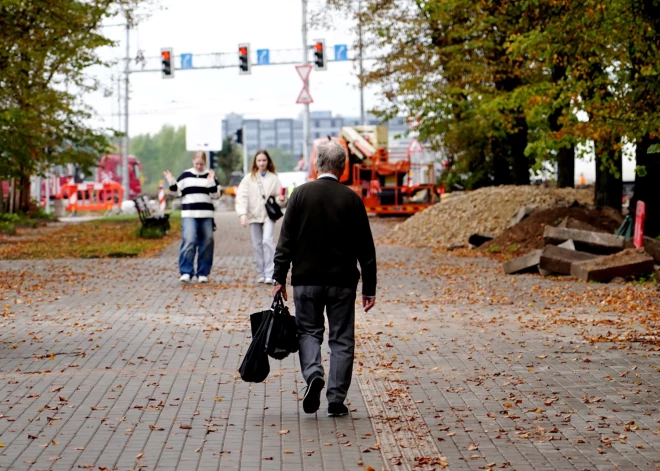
{"points": [[389, 183]]}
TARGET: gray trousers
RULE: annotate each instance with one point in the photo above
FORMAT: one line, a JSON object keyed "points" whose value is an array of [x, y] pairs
{"points": [[264, 247], [310, 302]]}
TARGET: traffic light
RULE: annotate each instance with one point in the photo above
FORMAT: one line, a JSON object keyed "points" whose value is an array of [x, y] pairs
{"points": [[166, 61], [213, 159], [244, 63], [239, 136], [319, 55]]}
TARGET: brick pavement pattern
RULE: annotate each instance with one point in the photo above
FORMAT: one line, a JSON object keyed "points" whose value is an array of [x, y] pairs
{"points": [[112, 364]]}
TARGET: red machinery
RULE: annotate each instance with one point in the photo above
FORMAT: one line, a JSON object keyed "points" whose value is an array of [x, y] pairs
{"points": [[388, 183]]}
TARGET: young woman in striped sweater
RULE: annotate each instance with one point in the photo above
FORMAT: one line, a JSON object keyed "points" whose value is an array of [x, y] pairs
{"points": [[197, 186]]}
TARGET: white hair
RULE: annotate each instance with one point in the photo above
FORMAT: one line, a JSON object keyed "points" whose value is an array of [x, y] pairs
{"points": [[331, 157]]}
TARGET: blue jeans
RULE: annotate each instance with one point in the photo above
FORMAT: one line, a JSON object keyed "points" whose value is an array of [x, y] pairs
{"points": [[197, 236]]}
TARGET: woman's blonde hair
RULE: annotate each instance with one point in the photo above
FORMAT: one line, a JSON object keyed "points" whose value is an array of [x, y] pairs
{"points": [[200, 154]]}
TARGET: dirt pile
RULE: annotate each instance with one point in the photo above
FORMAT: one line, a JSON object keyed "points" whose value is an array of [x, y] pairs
{"points": [[486, 211], [527, 235]]}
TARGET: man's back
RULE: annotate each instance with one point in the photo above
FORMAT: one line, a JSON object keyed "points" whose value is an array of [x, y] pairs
{"points": [[325, 232]]}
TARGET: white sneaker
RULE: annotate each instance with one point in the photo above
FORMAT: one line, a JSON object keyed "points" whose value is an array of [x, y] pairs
{"points": [[269, 281], [261, 279], [185, 278], [203, 279]]}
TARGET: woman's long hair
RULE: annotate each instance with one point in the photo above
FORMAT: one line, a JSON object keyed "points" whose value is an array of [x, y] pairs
{"points": [[271, 165]]}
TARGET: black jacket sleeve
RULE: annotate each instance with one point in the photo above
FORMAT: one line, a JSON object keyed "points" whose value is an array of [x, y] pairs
{"points": [[286, 244], [366, 251]]}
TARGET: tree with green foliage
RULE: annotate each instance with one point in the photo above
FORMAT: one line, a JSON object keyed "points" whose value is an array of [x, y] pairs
{"points": [[230, 159], [46, 47], [499, 85], [165, 150]]}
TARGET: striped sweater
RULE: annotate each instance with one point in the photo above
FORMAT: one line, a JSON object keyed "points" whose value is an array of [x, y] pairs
{"points": [[197, 191]]}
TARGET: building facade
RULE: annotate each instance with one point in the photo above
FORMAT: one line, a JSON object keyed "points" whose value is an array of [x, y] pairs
{"points": [[287, 133]]}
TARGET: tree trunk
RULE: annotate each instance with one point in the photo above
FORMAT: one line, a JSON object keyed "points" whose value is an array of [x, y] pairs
{"points": [[518, 144], [24, 194], [646, 187], [12, 195], [501, 168], [609, 187], [566, 167]]}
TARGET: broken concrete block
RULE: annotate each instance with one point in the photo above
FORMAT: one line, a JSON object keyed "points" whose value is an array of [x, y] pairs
{"points": [[526, 263], [569, 244], [479, 239], [522, 213], [630, 262], [652, 248], [556, 259], [586, 241]]}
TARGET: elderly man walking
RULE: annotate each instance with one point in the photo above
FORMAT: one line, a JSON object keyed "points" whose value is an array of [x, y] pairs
{"points": [[325, 234]]}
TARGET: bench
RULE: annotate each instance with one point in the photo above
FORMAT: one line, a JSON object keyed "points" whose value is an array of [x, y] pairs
{"points": [[150, 219]]}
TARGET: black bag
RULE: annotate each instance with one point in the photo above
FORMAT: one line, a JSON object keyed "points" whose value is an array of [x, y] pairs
{"points": [[255, 366], [272, 208], [282, 337]]}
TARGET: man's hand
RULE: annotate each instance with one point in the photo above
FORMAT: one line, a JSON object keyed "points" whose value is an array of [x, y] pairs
{"points": [[168, 176], [211, 175], [278, 288], [368, 303], [244, 221]]}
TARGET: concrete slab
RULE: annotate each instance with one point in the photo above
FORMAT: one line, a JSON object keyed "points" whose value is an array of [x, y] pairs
{"points": [[525, 264], [558, 260], [630, 262], [586, 241]]}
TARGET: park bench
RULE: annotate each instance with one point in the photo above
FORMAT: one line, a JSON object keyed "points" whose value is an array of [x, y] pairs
{"points": [[150, 219]]}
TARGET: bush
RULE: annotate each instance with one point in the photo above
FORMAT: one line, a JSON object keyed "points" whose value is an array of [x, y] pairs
{"points": [[7, 227], [150, 233]]}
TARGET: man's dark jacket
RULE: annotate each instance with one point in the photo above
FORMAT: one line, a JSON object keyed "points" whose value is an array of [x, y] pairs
{"points": [[325, 234]]}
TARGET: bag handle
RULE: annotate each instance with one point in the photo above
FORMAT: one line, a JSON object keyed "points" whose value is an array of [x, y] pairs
{"points": [[277, 301], [261, 187]]}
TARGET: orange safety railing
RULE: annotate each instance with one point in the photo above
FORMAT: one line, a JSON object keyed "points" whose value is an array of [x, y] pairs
{"points": [[93, 196]]}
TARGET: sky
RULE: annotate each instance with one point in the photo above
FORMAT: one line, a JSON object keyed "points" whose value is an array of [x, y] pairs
{"points": [[208, 26]]}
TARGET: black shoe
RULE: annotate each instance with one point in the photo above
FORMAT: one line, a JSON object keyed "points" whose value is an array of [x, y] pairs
{"points": [[337, 409], [312, 397]]}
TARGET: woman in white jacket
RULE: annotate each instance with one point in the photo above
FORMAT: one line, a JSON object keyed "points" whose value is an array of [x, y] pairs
{"points": [[253, 191]]}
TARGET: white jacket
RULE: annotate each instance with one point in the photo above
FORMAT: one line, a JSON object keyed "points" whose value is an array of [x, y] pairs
{"points": [[249, 199]]}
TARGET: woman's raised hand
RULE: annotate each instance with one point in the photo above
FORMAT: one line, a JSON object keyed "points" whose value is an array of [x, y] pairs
{"points": [[168, 175]]}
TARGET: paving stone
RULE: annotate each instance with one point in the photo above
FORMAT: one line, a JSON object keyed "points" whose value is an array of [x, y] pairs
{"points": [[631, 262], [587, 241], [525, 264], [555, 259], [436, 352]]}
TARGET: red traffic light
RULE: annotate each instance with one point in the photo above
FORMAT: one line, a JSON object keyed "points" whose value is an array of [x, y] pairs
{"points": [[319, 46], [243, 50], [165, 54]]}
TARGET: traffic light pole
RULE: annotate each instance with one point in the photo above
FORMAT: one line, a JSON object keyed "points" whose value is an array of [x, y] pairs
{"points": [[306, 120], [361, 69], [245, 154], [124, 176]]}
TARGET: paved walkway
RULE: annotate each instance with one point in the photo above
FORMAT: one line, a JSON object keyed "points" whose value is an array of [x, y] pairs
{"points": [[111, 364]]}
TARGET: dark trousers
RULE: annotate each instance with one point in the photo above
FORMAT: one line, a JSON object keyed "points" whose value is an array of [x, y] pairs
{"points": [[310, 302]]}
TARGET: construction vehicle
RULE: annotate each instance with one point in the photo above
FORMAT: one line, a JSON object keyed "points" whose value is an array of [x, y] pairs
{"points": [[390, 183]]}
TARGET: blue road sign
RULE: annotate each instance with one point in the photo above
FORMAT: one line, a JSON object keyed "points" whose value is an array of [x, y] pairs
{"points": [[341, 52], [186, 61], [263, 56]]}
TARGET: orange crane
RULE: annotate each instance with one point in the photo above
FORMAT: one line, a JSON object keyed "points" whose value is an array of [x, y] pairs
{"points": [[386, 184]]}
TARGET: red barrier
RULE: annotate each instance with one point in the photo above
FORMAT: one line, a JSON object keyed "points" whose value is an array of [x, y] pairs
{"points": [[93, 196], [640, 216]]}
